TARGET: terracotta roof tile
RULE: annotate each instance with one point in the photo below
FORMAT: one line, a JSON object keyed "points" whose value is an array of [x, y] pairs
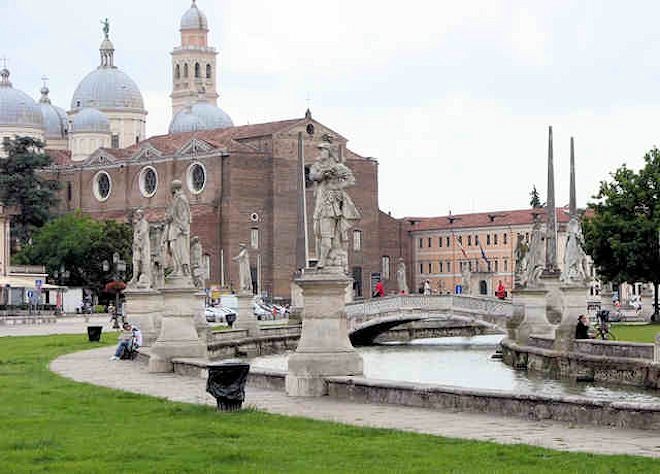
{"points": [[483, 219], [59, 157]]}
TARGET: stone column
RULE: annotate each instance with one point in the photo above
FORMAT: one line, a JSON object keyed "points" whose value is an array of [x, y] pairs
{"points": [[575, 304], [143, 307], [656, 352], [554, 297], [178, 335], [535, 321], [245, 317], [324, 349]]}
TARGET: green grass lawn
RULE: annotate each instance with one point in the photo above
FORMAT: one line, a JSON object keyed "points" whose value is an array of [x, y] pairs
{"points": [[52, 424], [635, 332]]}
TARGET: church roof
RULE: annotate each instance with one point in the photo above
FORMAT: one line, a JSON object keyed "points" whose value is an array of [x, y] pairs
{"points": [[483, 219]]}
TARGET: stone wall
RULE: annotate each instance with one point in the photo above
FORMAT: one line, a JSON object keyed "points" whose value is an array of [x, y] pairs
{"points": [[636, 350]]}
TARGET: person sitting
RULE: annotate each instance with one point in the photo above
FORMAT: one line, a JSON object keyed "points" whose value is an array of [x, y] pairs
{"points": [[582, 328], [125, 341]]}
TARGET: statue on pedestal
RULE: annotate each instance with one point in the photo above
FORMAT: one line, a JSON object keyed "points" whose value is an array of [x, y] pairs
{"points": [[466, 276], [244, 273], [575, 260], [520, 255], [176, 235], [141, 252], [334, 210], [401, 277], [534, 261], [196, 264]]}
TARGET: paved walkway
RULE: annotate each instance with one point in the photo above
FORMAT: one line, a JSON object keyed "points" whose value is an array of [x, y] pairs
{"points": [[64, 325], [94, 367]]}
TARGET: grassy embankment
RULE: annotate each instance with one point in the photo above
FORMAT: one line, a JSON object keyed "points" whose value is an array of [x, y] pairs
{"points": [[635, 332], [53, 424]]}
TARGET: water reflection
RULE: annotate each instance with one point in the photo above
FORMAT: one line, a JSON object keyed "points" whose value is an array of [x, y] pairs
{"points": [[466, 362]]}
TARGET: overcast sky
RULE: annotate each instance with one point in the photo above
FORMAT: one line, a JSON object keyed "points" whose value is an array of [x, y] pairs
{"points": [[453, 98]]}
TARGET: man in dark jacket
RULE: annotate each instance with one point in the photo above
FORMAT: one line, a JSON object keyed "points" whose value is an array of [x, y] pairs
{"points": [[582, 328]]}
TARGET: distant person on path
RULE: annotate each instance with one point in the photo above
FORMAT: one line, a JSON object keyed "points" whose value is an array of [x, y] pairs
{"points": [[379, 290], [125, 339], [427, 287], [582, 328]]}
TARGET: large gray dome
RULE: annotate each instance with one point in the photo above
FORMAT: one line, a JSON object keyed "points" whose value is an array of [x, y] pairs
{"points": [[17, 109], [211, 115], [107, 88], [55, 123], [185, 121], [90, 120], [194, 19]]}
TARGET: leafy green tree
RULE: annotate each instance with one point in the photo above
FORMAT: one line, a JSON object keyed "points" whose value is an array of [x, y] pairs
{"points": [[79, 244], [22, 185], [621, 234], [535, 200]]}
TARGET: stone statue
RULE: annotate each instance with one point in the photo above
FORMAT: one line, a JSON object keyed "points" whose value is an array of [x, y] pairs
{"points": [[157, 260], [466, 276], [106, 28], [520, 255], [401, 279], [141, 252], [196, 264], [244, 273], [534, 261], [575, 260], [334, 210], [176, 235]]}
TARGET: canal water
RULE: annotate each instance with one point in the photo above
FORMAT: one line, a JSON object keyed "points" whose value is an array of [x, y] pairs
{"points": [[467, 362]]}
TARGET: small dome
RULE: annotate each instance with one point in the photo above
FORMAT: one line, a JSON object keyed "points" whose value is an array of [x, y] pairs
{"points": [[107, 87], [55, 124], [17, 109], [90, 120], [211, 115], [185, 121], [194, 19]]}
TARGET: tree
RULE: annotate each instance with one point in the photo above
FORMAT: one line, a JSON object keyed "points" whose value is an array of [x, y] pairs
{"points": [[535, 200], [621, 235], [22, 185], [79, 244]]}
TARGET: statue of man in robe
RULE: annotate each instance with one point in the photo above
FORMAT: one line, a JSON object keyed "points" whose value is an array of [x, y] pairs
{"points": [[334, 210], [176, 235], [401, 279], [244, 273], [534, 259], [575, 270], [141, 252]]}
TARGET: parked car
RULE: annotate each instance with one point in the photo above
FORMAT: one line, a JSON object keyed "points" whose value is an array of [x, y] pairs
{"points": [[218, 314]]}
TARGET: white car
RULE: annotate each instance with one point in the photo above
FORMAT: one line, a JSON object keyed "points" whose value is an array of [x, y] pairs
{"points": [[217, 314]]}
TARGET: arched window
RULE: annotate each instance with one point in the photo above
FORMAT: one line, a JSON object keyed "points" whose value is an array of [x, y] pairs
{"points": [[208, 71], [197, 72], [102, 186], [148, 181], [185, 70], [177, 72], [196, 177]]}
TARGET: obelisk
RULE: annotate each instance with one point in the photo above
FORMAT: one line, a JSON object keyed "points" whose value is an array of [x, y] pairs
{"points": [[551, 216], [572, 206]]}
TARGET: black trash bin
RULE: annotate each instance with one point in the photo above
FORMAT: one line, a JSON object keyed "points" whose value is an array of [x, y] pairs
{"points": [[230, 318], [94, 333], [226, 383]]}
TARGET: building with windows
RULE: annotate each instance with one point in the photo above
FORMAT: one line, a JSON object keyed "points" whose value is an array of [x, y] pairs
{"points": [[445, 248]]}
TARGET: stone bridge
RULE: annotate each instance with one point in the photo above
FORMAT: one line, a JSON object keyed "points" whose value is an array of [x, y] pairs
{"points": [[368, 319]]}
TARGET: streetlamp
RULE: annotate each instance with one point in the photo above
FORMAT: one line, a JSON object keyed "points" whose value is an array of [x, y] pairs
{"points": [[118, 267], [61, 275]]}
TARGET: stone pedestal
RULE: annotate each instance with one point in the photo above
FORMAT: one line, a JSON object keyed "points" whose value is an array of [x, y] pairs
{"points": [[199, 318], [554, 297], [575, 304], [656, 351], [143, 308], [178, 336], [606, 297], [513, 323], [535, 321], [245, 317], [324, 349]]}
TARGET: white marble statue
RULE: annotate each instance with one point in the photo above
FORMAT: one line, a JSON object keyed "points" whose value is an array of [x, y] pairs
{"points": [[534, 260], [575, 260], [176, 235], [196, 263], [401, 279], [244, 273], [334, 210], [520, 255], [141, 252]]}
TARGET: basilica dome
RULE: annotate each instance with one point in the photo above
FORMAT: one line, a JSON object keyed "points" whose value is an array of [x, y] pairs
{"points": [[194, 19], [90, 120], [55, 123], [17, 109], [185, 121], [107, 87]]}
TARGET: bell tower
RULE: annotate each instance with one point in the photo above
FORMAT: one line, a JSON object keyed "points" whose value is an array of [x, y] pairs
{"points": [[194, 68]]}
